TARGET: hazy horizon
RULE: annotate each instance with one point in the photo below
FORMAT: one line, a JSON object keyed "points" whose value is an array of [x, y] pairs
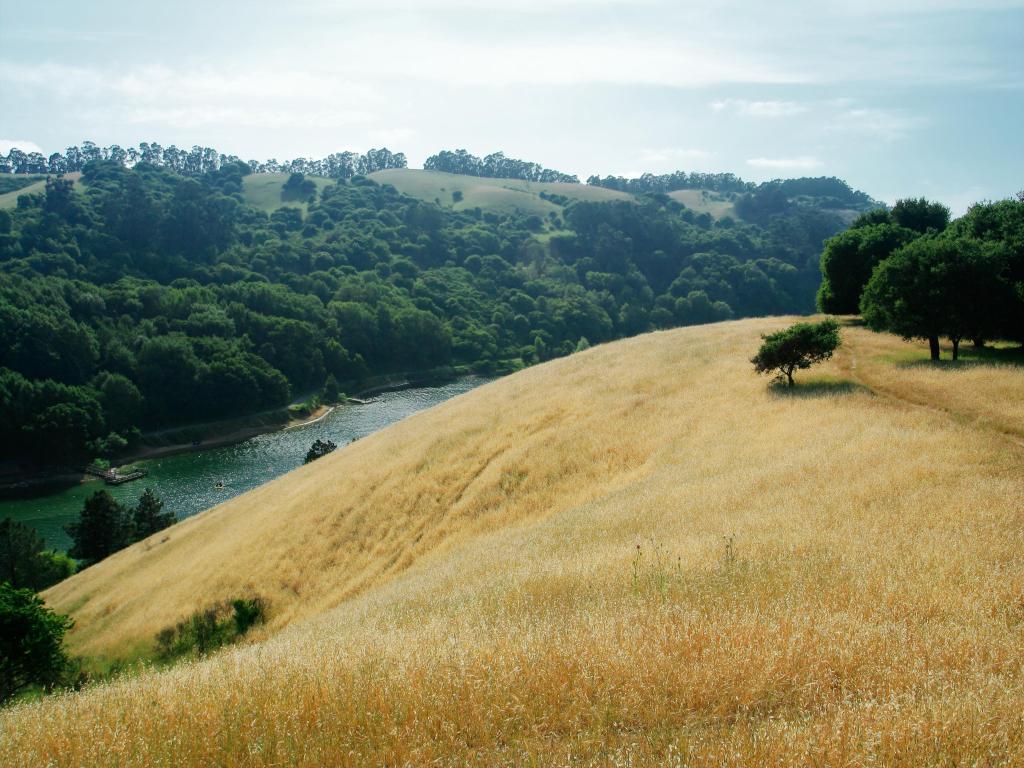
{"points": [[899, 99]]}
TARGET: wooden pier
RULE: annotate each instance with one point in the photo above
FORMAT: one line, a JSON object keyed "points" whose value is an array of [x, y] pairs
{"points": [[112, 477]]}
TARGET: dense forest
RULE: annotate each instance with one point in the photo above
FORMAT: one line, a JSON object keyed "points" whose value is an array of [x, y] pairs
{"points": [[156, 297]]}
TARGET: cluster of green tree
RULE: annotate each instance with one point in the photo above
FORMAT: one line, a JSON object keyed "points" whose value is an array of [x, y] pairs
{"points": [[298, 188], [319, 449], [495, 166], [195, 162], [912, 272], [105, 526], [753, 201], [156, 299], [651, 183]]}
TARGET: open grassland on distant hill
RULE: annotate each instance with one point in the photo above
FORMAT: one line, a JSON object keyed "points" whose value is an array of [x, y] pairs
{"points": [[639, 554], [263, 190], [10, 199], [498, 195], [703, 201]]}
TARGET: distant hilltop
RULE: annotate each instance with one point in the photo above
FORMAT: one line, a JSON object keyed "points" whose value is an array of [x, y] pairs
{"points": [[343, 165]]}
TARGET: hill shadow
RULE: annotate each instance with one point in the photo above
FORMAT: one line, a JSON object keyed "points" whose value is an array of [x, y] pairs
{"points": [[816, 388]]}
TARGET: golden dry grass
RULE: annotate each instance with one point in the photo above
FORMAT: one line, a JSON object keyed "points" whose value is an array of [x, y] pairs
{"points": [[636, 555]]}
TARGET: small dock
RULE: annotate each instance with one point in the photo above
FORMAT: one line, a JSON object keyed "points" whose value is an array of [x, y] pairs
{"points": [[113, 477]]}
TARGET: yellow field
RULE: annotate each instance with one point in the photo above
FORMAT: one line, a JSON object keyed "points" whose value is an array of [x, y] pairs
{"points": [[636, 555]]}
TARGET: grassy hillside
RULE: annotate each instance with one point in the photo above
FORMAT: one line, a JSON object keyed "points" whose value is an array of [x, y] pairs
{"points": [[263, 190], [704, 201], [500, 195], [10, 199], [638, 554]]}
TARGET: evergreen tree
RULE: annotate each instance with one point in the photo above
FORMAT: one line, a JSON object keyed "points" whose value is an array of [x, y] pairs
{"points": [[149, 516], [103, 527]]}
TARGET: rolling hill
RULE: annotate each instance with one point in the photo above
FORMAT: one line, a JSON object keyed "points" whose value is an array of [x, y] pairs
{"points": [[637, 554], [462, 193], [499, 195]]}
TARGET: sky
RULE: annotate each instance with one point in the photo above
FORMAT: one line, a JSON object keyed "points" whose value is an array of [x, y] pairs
{"points": [[899, 97]]}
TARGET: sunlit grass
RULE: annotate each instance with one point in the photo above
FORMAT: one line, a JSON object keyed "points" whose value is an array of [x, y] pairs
{"points": [[637, 555]]}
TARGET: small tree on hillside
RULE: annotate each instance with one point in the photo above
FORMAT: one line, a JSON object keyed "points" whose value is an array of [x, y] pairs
{"points": [[30, 642], [298, 187], [800, 346], [149, 516]]}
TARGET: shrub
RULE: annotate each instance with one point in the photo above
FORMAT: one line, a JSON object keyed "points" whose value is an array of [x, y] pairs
{"points": [[210, 628]]}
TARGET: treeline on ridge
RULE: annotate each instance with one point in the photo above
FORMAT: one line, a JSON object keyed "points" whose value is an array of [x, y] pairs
{"points": [[152, 298], [495, 165], [197, 161]]}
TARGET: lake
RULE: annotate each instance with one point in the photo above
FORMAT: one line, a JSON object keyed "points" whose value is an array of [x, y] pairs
{"points": [[187, 482]]}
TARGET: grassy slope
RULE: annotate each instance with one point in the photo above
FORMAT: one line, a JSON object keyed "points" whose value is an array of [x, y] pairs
{"points": [[10, 199], [703, 201], [500, 195], [636, 552], [263, 190]]}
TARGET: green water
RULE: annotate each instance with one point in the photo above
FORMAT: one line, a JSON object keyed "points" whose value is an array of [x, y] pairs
{"points": [[187, 482]]}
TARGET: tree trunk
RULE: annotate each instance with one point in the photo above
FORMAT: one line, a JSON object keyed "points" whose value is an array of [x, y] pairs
{"points": [[933, 346], [789, 375], [956, 347]]}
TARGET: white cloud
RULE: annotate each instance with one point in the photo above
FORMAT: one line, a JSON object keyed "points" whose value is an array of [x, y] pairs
{"points": [[799, 163], [759, 108], [841, 114], [881, 123], [25, 146]]}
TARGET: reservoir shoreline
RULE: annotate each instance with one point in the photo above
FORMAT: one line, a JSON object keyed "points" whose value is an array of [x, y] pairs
{"points": [[196, 478], [17, 482]]}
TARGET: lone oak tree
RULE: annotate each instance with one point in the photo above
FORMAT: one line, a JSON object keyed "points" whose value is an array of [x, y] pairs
{"points": [[799, 346]]}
